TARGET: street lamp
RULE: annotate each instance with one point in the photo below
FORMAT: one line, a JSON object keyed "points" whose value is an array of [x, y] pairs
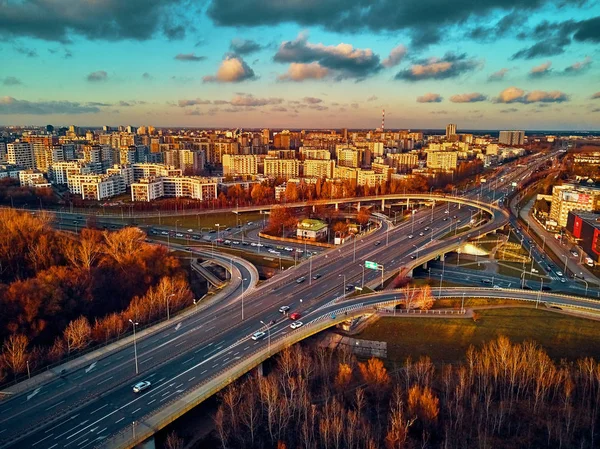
{"points": [[344, 290], [268, 334], [176, 225], [244, 279], [417, 250], [566, 258], [169, 300], [135, 346]]}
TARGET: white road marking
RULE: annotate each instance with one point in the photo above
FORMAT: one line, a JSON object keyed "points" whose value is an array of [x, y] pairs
{"points": [[203, 371], [146, 360], [54, 445], [105, 380], [178, 326], [136, 410], [105, 405], [180, 385], [91, 367], [153, 400], [83, 442], [191, 378], [71, 430], [180, 343], [33, 393], [37, 442], [55, 405], [118, 421]]}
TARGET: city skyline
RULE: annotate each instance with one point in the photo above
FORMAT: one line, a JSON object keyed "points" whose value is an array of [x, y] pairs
{"points": [[283, 64]]}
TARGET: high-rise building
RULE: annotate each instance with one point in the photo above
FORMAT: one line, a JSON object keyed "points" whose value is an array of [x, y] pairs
{"points": [[511, 137], [450, 130], [349, 157], [569, 197], [319, 168], [237, 164], [3, 155], [20, 153], [444, 160], [281, 168]]}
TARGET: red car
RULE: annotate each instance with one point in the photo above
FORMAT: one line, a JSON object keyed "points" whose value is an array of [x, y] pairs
{"points": [[294, 316]]}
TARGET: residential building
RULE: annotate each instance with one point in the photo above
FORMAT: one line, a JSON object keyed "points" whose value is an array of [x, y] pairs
{"points": [[580, 158], [31, 178], [191, 161], [569, 197], [102, 187], [20, 153], [370, 178], [349, 156], [124, 171], [3, 155], [281, 168], [403, 161], [235, 164], [312, 230], [511, 137], [346, 173], [319, 168], [315, 153], [194, 187], [444, 160], [149, 170], [60, 171]]}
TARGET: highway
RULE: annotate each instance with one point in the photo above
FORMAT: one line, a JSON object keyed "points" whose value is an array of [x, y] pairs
{"points": [[90, 404]]}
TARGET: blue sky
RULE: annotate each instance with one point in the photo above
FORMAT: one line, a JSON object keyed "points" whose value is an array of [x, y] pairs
{"points": [[531, 64]]}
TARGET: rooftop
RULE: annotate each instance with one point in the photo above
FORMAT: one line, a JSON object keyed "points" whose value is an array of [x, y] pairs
{"points": [[312, 225]]}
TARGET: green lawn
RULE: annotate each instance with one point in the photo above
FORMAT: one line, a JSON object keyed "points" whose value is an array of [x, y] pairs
{"points": [[465, 261], [199, 221], [446, 340]]}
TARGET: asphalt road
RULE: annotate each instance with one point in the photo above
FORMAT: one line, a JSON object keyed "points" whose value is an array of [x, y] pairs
{"points": [[86, 406]]}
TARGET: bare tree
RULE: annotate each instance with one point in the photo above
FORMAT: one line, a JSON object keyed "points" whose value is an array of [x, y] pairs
{"points": [[14, 353], [77, 334], [173, 441]]}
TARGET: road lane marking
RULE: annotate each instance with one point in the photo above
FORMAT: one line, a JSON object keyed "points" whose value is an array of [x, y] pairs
{"points": [[136, 410], [71, 430], [146, 360], [83, 442], [38, 442], [165, 393], [105, 380], [203, 371], [180, 343], [180, 385], [118, 421], [33, 393], [187, 361], [91, 367], [153, 400], [105, 405], [54, 445], [191, 378], [55, 405]]}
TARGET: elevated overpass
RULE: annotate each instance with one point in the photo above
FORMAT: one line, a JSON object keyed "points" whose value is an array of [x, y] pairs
{"points": [[325, 317]]}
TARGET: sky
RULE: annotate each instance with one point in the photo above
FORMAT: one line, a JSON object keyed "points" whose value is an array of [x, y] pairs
{"points": [[486, 64]]}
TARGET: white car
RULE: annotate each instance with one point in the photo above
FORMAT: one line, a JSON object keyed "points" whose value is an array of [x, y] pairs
{"points": [[141, 386], [284, 309], [410, 236], [258, 335], [559, 273], [253, 244], [296, 324], [287, 248]]}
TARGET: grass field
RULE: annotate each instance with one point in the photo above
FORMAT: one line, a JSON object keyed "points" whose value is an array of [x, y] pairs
{"points": [[446, 340], [465, 261], [197, 222]]}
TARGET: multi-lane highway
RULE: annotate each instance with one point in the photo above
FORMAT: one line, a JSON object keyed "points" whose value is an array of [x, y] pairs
{"points": [[85, 407]]}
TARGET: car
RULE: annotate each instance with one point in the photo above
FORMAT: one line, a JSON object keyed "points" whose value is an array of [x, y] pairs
{"points": [[287, 248], [426, 228], [559, 273], [294, 316], [259, 245], [212, 231], [253, 244], [227, 242], [410, 236], [563, 280], [349, 287], [235, 242], [196, 237], [250, 223], [258, 335], [284, 309], [446, 211], [164, 233], [486, 281], [421, 233], [245, 243], [141, 386], [228, 229], [445, 218], [300, 251], [575, 254], [497, 287], [300, 280], [190, 230], [316, 276], [377, 243], [179, 234], [413, 257], [296, 324], [454, 216]]}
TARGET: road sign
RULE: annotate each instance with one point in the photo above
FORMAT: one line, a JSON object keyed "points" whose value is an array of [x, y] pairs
{"points": [[371, 265]]}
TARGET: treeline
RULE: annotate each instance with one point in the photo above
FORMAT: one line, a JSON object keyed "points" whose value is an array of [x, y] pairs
{"points": [[504, 395], [60, 293], [12, 194]]}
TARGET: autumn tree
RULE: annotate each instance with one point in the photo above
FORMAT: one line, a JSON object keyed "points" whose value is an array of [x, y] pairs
{"points": [[344, 375], [374, 372], [77, 334], [14, 353], [363, 216], [173, 441], [280, 218]]}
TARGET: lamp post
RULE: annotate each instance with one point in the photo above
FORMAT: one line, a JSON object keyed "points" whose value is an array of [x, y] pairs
{"points": [[586, 285], [354, 251], [218, 229], [363, 276], [268, 334], [417, 250], [244, 279], [344, 285], [442, 277], [566, 258], [28, 371], [135, 346], [462, 304], [309, 270], [168, 301]]}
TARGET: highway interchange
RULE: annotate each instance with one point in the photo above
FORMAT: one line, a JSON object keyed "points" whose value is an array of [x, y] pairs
{"points": [[86, 407]]}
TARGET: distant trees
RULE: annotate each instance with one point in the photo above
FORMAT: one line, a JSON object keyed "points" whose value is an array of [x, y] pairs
{"points": [[280, 218]]}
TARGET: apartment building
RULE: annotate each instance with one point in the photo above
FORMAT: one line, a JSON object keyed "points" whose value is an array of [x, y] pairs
{"points": [[3, 155], [149, 170], [102, 187], [124, 171], [60, 171], [349, 157], [194, 187], [31, 178], [319, 168], [403, 161], [370, 178], [281, 168], [346, 173], [511, 137], [21, 154], [443, 160], [315, 153], [569, 197], [237, 164]]}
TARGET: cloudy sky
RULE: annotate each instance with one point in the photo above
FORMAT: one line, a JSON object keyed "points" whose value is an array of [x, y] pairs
{"points": [[483, 64]]}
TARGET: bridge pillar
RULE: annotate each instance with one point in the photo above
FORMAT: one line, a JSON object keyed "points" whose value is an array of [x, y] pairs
{"points": [[409, 274], [442, 257], [358, 206], [314, 208], [382, 204], [425, 266], [336, 206], [260, 370], [148, 444]]}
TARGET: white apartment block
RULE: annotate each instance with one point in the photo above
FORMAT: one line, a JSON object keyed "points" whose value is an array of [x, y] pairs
{"points": [[30, 178], [314, 153], [60, 171], [148, 170], [20, 153], [370, 178], [194, 187], [125, 171], [569, 197], [511, 137], [319, 168], [349, 157], [102, 187], [281, 168], [375, 148], [346, 173], [236, 164]]}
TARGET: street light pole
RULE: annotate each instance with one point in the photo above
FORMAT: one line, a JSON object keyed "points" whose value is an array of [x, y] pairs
{"points": [[354, 251], [135, 346], [566, 258], [268, 335], [169, 300], [244, 279], [462, 304], [310, 270], [442, 277], [363, 276], [343, 291]]}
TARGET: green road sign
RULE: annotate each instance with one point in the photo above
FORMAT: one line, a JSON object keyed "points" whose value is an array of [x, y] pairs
{"points": [[371, 265]]}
